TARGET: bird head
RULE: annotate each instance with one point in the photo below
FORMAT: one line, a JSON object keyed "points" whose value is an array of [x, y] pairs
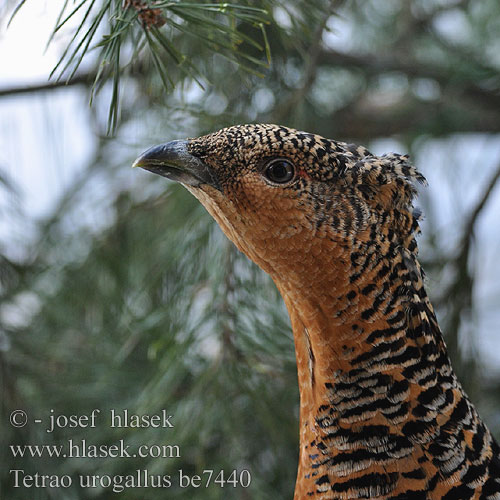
{"points": [[285, 197]]}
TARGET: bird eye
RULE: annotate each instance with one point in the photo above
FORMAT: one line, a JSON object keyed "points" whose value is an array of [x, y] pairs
{"points": [[280, 171]]}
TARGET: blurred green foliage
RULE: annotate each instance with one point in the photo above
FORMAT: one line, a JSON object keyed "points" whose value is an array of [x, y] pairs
{"points": [[134, 299]]}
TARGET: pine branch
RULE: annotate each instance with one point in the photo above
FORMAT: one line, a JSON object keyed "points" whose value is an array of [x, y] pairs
{"points": [[311, 64], [376, 65], [458, 295], [78, 79], [139, 29]]}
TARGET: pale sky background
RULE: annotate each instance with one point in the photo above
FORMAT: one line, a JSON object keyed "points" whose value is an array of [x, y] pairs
{"points": [[40, 165], [46, 140]]}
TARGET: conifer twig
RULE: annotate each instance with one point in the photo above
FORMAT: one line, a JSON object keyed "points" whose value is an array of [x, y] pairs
{"points": [[132, 31]]}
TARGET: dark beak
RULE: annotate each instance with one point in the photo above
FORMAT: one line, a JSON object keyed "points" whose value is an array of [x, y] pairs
{"points": [[173, 161]]}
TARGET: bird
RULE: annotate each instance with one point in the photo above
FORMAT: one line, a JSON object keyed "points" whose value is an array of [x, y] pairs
{"points": [[382, 413]]}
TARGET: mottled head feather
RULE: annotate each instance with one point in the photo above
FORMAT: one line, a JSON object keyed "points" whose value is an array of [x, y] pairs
{"points": [[341, 187]]}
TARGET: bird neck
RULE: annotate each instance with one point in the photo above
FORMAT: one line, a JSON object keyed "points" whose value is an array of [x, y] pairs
{"points": [[362, 349]]}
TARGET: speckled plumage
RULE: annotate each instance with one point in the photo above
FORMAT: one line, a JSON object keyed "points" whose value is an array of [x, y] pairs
{"points": [[382, 413]]}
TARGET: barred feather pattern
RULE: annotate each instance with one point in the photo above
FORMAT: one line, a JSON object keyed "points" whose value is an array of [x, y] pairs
{"points": [[382, 415]]}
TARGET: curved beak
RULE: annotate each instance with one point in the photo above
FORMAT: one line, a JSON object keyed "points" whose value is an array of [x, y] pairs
{"points": [[173, 161]]}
